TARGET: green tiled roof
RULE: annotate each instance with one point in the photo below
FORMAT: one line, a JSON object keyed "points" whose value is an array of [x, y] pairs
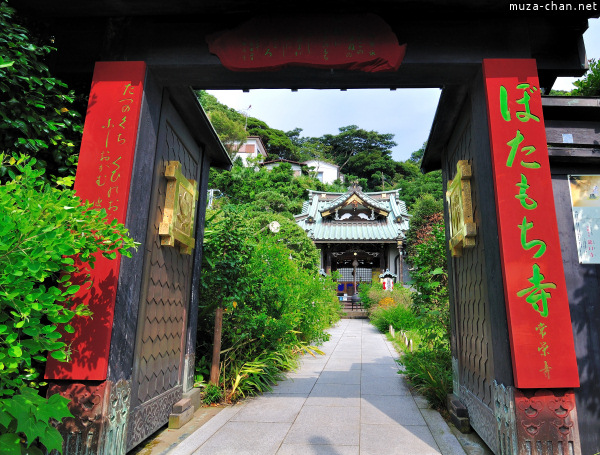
{"points": [[390, 229]]}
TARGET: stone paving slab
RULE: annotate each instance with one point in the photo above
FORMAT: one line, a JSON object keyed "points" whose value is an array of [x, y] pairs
{"points": [[315, 433], [245, 438], [340, 377], [272, 408], [296, 385], [327, 415], [317, 449], [390, 410], [352, 401], [397, 440]]}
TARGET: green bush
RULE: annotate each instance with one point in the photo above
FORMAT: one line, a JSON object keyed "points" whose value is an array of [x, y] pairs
{"points": [[400, 317], [430, 372], [428, 367], [212, 394], [373, 294], [41, 230], [275, 304], [430, 280], [36, 113]]}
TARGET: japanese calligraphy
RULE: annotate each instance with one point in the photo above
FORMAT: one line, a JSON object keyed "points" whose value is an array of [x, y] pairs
{"points": [[535, 289], [541, 329], [523, 116], [527, 202], [514, 146], [525, 226], [537, 292], [109, 163], [103, 179], [353, 42]]}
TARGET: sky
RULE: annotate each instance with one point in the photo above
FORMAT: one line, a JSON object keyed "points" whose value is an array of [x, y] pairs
{"points": [[406, 113]]}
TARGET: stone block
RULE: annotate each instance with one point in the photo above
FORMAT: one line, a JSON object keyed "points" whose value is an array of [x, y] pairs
{"points": [[195, 395], [181, 405], [176, 421], [459, 414]]}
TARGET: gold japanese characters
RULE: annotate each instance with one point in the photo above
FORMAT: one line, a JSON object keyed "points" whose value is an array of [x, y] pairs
{"points": [[177, 227], [462, 228]]}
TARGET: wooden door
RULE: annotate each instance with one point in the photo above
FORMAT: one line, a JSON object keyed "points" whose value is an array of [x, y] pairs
{"points": [[165, 296]]}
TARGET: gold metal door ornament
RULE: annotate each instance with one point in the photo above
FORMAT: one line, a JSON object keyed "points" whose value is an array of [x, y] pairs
{"points": [[462, 228], [177, 227]]}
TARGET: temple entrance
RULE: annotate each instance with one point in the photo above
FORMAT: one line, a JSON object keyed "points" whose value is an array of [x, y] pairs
{"points": [[173, 39], [359, 234]]}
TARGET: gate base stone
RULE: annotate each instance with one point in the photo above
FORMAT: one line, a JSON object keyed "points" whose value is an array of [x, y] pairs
{"points": [[459, 414], [100, 410]]}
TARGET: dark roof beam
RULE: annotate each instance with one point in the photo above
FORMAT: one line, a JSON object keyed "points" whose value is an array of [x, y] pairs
{"points": [[439, 52]]}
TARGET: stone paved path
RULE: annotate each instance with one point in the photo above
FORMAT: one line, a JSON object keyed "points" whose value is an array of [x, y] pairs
{"points": [[349, 402]]}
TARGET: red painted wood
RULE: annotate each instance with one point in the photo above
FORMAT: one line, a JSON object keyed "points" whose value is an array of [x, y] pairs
{"points": [[540, 332], [352, 42], [103, 177]]}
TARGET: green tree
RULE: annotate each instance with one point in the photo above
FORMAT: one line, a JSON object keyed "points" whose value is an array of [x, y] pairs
{"points": [[232, 133], [417, 156], [274, 301], [277, 190], [559, 93], [363, 155], [426, 212], [277, 143], [412, 183], [229, 124], [412, 187], [36, 113], [589, 85]]}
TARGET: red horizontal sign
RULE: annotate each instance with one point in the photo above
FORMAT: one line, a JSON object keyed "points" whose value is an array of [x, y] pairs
{"points": [[539, 319], [351, 42], [103, 177]]}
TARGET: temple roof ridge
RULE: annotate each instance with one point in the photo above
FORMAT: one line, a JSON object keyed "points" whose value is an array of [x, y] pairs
{"points": [[354, 189]]}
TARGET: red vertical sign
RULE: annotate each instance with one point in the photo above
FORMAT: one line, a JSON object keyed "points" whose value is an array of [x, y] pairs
{"points": [[539, 320], [103, 178]]}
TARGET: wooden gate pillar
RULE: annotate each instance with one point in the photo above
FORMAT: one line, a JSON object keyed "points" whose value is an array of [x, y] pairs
{"points": [[97, 379], [514, 365], [121, 382]]}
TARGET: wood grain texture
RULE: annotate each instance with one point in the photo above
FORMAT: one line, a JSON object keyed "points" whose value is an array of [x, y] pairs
{"points": [[583, 287]]}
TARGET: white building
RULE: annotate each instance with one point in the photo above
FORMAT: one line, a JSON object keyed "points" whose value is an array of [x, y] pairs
{"points": [[296, 167], [253, 148], [325, 172]]}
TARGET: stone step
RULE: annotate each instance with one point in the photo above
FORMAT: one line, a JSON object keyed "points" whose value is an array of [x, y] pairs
{"points": [[356, 314]]}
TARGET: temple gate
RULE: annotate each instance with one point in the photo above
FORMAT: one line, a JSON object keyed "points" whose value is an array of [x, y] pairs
{"points": [[409, 44]]}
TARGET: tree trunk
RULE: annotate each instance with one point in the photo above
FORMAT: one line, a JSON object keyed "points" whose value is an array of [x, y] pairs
{"points": [[216, 357]]}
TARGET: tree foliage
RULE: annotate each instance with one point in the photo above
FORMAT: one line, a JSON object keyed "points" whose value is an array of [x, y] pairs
{"points": [[231, 133], [36, 113], [413, 186], [417, 156], [364, 155], [426, 212], [274, 301], [276, 190], [277, 143], [42, 229], [228, 123], [589, 85]]}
